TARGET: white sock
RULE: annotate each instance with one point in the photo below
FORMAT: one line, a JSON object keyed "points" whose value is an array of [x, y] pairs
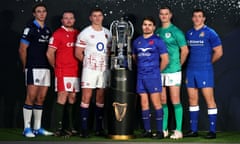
{"points": [[37, 118], [27, 115]]}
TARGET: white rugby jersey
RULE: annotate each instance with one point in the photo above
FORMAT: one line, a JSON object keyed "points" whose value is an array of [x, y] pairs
{"points": [[95, 44]]}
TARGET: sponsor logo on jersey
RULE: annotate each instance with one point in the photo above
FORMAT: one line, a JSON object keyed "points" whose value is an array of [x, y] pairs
{"points": [[51, 40], [70, 44], [43, 38], [196, 42], [144, 52], [100, 46], [26, 31], [168, 35]]}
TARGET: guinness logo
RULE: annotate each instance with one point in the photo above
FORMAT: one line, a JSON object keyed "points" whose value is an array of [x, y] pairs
{"points": [[120, 110]]}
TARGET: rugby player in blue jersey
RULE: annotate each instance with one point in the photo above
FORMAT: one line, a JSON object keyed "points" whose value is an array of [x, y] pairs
{"points": [[150, 54], [32, 51], [205, 49]]}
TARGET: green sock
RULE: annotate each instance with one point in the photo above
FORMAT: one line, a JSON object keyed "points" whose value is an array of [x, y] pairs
{"points": [[178, 116], [59, 116], [70, 115], [165, 116]]}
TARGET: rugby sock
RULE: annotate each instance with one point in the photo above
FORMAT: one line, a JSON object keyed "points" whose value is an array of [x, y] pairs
{"points": [[194, 112], [178, 116], [37, 114], [70, 115], [59, 116], [84, 115], [27, 115], [99, 111], [159, 119], [212, 116], [165, 116], [146, 120]]}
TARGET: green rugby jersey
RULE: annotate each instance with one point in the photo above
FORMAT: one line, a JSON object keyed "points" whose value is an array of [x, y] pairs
{"points": [[174, 38]]}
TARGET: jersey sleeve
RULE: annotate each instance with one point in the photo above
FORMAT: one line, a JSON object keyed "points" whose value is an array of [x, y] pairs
{"points": [[54, 41], [180, 38], [26, 35], [81, 40], [134, 50], [214, 39]]}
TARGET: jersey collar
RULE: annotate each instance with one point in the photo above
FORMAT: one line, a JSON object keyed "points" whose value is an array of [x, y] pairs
{"points": [[37, 24]]}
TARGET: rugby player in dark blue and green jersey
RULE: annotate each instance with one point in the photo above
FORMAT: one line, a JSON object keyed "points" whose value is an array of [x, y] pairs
{"points": [[151, 57], [205, 48], [32, 51]]}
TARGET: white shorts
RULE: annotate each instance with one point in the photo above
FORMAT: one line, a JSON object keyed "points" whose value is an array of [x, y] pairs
{"points": [[171, 79], [95, 79], [37, 76], [69, 84]]}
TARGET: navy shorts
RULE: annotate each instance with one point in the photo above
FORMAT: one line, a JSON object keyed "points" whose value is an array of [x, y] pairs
{"points": [[149, 85], [199, 78]]}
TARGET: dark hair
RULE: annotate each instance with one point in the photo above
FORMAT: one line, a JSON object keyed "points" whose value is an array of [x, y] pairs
{"points": [[96, 10], [199, 10], [68, 11], [38, 5], [149, 18], [166, 7]]}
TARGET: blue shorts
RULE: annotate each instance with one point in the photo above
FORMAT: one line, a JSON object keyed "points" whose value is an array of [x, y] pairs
{"points": [[199, 78], [149, 85]]}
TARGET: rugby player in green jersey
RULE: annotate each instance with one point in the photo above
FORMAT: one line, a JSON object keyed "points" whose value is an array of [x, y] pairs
{"points": [[171, 75]]}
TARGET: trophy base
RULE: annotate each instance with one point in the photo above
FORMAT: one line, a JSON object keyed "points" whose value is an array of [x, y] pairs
{"points": [[121, 137]]}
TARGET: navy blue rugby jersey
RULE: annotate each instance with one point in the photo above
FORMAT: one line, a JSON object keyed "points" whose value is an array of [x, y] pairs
{"points": [[37, 40]]}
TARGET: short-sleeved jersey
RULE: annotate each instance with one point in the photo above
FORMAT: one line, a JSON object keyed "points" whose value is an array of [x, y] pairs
{"points": [[95, 44], [174, 38], [201, 43], [37, 40], [63, 40], [147, 52]]}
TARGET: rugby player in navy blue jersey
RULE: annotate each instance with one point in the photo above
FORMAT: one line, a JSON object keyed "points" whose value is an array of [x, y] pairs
{"points": [[205, 48], [32, 51], [150, 54]]}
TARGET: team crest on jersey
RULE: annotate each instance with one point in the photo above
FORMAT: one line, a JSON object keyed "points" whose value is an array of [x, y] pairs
{"points": [[92, 36], [139, 42], [167, 35], [106, 36], [47, 31], [202, 34], [151, 42], [67, 35]]}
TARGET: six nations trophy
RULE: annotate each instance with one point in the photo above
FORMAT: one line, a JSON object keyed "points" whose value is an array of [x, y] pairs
{"points": [[121, 97]]}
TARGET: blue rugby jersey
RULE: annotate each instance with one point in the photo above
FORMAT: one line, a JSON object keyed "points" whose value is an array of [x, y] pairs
{"points": [[201, 43], [148, 53], [37, 40]]}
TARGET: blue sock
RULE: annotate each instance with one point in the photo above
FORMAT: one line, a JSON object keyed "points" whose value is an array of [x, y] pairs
{"points": [[99, 118], [146, 120], [159, 119], [212, 116], [84, 118], [194, 112]]}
